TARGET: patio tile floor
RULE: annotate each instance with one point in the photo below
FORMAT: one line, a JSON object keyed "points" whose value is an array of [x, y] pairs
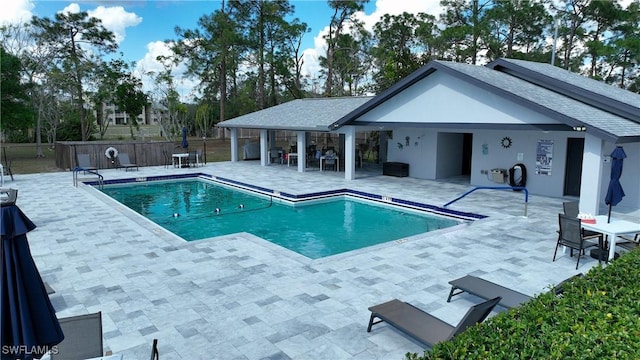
{"points": [[240, 297]]}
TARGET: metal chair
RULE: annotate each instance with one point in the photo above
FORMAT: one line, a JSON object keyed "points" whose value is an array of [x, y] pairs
{"points": [[82, 338], [155, 355], [571, 235]]}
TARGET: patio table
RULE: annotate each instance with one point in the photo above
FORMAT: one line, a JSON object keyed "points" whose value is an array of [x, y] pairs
{"points": [[612, 230]]}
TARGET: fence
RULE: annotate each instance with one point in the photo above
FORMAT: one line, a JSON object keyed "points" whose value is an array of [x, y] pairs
{"points": [[142, 153]]}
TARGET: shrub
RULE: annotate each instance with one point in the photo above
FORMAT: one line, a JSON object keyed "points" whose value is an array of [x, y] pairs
{"points": [[597, 317]]}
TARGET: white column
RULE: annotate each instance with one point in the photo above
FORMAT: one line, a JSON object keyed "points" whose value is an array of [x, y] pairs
{"points": [[264, 150], [234, 144], [349, 152], [302, 150], [591, 183]]}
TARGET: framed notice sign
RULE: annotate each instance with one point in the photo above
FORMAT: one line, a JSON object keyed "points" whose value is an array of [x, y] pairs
{"points": [[544, 157]]}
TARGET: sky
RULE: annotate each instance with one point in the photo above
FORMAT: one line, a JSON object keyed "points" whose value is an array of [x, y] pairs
{"points": [[142, 26]]}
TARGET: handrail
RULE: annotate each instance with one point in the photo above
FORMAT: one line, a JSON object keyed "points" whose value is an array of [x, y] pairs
{"points": [[526, 194], [78, 169]]}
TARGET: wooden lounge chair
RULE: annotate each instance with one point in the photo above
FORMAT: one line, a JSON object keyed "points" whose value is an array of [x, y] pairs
{"points": [[124, 162], [487, 290], [425, 327]]}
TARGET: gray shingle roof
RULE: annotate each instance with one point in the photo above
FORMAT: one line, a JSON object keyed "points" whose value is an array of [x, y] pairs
{"points": [[310, 114], [607, 97], [574, 112]]}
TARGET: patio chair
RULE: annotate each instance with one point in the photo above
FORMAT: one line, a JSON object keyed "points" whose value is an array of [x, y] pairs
{"points": [[423, 326], [167, 158], [571, 234], [275, 155], [125, 162], [193, 159], [84, 162], [155, 355], [330, 160], [572, 209], [82, 337], [629, 243], [486, 290]]}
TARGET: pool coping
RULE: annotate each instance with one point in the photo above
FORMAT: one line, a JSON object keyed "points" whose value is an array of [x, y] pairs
{"points": [[295, 198]]}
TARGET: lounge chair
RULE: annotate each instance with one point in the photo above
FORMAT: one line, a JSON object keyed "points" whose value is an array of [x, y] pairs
{"points": [[82, 337], [84, 163], [425, 327], [124, 162], [487, 290]]}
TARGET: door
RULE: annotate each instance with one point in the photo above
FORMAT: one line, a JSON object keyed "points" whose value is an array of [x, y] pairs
{"points": [[573, 167]]}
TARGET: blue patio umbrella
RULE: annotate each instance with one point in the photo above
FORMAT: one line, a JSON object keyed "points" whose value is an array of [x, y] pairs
{"points": [[614, 191], [185, 143], [29, 323]]}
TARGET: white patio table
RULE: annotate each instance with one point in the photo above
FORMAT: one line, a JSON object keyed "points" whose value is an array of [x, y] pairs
{"points": [[613, 229]]}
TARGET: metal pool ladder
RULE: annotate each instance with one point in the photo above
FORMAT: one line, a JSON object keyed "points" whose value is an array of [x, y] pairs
{"points": [[78, 169]]}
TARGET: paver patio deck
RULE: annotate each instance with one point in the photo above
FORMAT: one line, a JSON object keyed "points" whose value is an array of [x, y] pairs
{"points": [[240, 297]]}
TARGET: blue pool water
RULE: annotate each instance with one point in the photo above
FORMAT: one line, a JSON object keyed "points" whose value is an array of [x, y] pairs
{"points": [[197, 209]]}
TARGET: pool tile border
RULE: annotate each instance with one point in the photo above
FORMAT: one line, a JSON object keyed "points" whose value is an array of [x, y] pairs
{"points": [[294, 198]]}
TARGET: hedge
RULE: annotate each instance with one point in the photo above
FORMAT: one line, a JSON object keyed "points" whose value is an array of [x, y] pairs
{"points": [[597, 317]]}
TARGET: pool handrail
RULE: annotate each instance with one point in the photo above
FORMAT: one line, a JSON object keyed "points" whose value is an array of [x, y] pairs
{"points": [[79, 168], [514, 188]]}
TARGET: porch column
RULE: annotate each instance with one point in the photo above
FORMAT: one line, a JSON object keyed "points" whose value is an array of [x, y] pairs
{"points": [[264, 150], [302, 150], [349, 152], [234, 144], [591, 183]]}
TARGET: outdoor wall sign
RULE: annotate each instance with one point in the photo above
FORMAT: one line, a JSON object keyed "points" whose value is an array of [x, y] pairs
{"points": [[544, 157]]}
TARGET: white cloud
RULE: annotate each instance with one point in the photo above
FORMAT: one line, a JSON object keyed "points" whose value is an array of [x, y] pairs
{"points": [[149, 67], [16, 11], [72, 8], [116, 19]]}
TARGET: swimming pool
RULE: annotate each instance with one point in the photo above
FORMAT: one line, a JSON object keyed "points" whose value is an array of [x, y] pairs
{"points": [[196, 209]]}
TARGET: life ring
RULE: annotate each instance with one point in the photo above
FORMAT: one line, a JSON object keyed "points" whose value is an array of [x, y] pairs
{"points": [[520, 182], [111, 153]]}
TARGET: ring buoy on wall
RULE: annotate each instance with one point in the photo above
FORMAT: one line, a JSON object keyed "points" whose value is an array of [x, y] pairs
{"points": [[111, 153], [514, 179]]}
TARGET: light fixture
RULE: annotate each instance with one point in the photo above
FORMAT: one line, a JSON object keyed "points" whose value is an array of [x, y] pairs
{"points": [[579, 128]]}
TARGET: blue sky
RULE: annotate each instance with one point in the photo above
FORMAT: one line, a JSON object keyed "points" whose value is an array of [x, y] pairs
{"points": [[142, 26]]}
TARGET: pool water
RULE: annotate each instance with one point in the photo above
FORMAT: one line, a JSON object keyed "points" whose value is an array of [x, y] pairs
{"points": [[197, 209]]}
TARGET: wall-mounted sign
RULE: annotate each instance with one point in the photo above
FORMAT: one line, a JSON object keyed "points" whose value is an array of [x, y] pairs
{"points": [[544, 157]]}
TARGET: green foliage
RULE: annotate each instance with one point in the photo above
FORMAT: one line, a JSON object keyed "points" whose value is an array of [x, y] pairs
{"points": [[597, 317], [16, 113], [70, 128]]}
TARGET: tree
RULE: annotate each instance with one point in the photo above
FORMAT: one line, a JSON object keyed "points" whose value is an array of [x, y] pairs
{"points": [[464, 27], [516, 29], [342, 12], [16, 114], [397, 46], [71, 36], [211, 52], [603, 15], [625, 50], [130, 99]]}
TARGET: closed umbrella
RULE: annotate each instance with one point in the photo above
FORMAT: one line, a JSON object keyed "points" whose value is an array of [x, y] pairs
{"points": [[615, 192], [29, 323], [185, 143]]}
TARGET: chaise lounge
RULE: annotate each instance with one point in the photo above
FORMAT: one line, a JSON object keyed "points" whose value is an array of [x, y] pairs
{"points": [[486, 289], [425, 327]]}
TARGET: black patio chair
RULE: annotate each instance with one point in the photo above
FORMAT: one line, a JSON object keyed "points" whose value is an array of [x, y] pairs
{"points": [[571, 234], [82, 337]]}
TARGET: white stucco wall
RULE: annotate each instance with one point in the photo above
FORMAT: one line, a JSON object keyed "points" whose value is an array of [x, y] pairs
{"points": [[432, 142], [441, 98]]}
